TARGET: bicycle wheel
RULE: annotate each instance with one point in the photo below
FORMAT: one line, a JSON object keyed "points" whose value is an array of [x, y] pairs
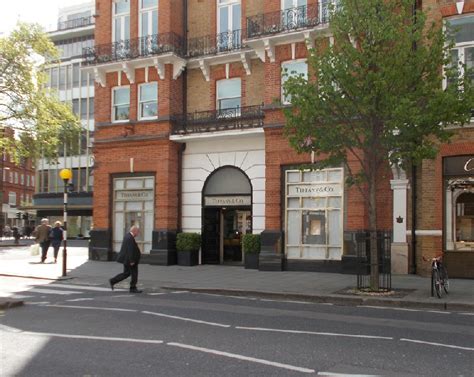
{"points": [[445, 280], [437, 283]]}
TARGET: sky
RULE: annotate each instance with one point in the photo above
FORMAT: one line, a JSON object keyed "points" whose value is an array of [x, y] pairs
{"points": [[44, 12]]}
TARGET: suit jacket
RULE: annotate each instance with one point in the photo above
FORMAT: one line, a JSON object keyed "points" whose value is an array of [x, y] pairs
{"points": [[129, 252]]}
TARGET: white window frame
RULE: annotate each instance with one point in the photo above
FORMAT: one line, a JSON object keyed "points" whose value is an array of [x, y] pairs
{"points": [[112, 110], [123, 19], [32, 181], [295, 4], [150, 11], [16, 178], [140, 102], [460, 47], [229, 4], [217, 91], [285, 100], [12, 198]]}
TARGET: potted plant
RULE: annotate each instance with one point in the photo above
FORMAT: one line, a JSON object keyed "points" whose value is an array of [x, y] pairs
{"points": [[251, 248], [187, 247]]}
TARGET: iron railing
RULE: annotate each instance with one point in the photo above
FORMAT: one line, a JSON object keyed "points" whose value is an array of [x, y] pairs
{"points": [[215, 43], [149, 45], [76, 22], [287, 20], [219, 120], [384, 240]]}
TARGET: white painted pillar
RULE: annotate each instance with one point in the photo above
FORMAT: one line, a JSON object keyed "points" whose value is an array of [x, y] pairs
{"points": [[399, 187]]}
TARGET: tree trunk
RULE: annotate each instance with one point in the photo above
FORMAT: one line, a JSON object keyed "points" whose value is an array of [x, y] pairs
{"points": [[374, 255]]}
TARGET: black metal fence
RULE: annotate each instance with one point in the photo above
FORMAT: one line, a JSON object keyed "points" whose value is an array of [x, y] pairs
{"points": [[76, 22], [219, 120], [134, 48], [287, 20], [215, 43], [384, 240]]}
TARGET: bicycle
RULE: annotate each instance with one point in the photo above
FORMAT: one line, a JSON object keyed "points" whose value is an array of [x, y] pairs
{"points": [[439, 276]]}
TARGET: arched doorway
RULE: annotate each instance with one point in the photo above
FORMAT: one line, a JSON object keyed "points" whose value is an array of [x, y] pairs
{"points": [[226, 215]]}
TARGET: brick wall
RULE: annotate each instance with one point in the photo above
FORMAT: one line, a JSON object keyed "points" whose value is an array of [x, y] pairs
{"points": [[198, 91], [201, 18]]}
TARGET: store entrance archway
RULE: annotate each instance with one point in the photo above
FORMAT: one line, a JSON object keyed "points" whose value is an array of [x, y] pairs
{"points": [[226, 214]]}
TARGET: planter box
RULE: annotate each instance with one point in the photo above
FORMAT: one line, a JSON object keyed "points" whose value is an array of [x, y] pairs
{"points": [[188, 258], [251, 261]]}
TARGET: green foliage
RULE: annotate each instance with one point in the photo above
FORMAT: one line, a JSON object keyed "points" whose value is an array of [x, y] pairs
{"points": [[41, 122], [188, 241], [251, 243], [377, 94]]}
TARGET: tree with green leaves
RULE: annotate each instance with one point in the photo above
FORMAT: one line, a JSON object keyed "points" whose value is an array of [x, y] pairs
{"points": [[375, 95], [41, 122]]}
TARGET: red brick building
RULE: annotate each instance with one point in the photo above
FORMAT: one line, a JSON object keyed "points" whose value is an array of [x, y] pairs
{"points": [[189, 138], [17, 187]]}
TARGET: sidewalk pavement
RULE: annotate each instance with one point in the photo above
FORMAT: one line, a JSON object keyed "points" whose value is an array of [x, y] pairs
{"points": [[409, 291]]}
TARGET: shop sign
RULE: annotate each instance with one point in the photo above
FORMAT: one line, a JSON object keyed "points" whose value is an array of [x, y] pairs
{"points": [[134, 195], [242, 200], [315, 190], [459, 165]]}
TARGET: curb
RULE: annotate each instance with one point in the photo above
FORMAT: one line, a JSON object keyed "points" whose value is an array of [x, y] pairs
{"points": [[335, 299], [37, 277], [4, 305]]}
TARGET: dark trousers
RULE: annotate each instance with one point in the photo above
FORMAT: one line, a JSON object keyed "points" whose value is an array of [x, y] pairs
{"points": [[56, 250], [127, 271], [44, 249]]}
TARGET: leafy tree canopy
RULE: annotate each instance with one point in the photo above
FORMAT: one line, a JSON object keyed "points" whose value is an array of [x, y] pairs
{"points": [[41, 122]]}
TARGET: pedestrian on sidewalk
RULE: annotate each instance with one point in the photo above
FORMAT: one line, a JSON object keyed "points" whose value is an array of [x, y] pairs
{"points": [[16, 235], [129, 256], [56, 237], [41, 234]]}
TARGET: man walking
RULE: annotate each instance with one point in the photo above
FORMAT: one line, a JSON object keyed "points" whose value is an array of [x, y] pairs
{"points": [[41, 234], [129, 256]]}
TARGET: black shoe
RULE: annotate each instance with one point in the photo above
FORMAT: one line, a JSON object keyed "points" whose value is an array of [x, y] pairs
{"points": [[135, 290], [111, 284]]}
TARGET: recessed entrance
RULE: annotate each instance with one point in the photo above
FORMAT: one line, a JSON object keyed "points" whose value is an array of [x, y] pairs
{"points": [[227, 215]]}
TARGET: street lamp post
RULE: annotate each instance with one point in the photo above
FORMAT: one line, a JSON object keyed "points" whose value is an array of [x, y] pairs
{"points": [[65, 175]]}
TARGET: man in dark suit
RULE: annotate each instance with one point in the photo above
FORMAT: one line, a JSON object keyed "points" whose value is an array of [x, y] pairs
{"points": [[129, 256]]}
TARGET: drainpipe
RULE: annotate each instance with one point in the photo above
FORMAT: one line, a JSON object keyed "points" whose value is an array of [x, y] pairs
{"points": [[413, 219]]}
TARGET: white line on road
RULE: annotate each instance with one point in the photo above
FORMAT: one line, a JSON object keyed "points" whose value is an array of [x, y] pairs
{"points": [[329, 374], [180, 292], [53, 291], [186, 319], [388, 308], [242, 357], [157, 294], [438, 312], [37, 303], [84, 287], [89, 337], [313, 333], [466, 313], [92, 308], [81, 299], [437, 344]]}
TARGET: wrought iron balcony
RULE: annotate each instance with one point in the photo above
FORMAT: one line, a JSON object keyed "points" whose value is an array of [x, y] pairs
{"points": [[215, 43], [149, 45], [291, 19], [235, 118], [75, 23]]}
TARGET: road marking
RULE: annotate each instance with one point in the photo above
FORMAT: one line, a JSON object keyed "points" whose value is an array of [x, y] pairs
{"points": [[89, 337], [81, 299], [329, 374], [437, 344], [186, 319], [242, 357], [387, 308], [156, 294], [466, 313], [438, 312], [122, 296], [20, 296], [84, 287], [37, 303], [313, 333], [176, 292], [92, 308], [53, 291]]}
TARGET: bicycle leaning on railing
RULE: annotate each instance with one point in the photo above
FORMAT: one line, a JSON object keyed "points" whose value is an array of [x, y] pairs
{"points": [[439, 276]]}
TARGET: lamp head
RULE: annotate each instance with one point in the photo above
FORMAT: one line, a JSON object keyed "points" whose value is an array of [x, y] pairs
{"points": [[65, 174]]}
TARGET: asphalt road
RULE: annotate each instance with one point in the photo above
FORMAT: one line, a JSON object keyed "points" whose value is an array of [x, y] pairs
{"points": [[78, 330]]}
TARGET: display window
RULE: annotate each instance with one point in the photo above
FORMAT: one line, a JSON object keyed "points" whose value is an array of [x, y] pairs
{"points": [[314, 214]]}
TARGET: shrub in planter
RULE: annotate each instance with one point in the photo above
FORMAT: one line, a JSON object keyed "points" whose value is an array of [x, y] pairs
{"points": [[251, 247], [187, 247]]}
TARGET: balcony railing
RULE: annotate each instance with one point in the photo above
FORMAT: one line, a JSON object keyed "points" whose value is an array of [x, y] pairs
{"points": [[149, 45], [236, 118], [287, 20], [215, 43], [76, 22]]}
